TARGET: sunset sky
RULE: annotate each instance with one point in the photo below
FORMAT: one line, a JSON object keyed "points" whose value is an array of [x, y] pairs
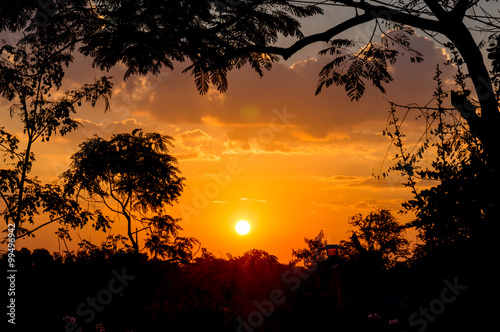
{"points": [[268, 151]]}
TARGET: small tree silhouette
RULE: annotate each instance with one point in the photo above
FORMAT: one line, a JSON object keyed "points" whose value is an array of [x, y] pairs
{"points": [[377, 239], [132, 175], [30, 73], [314, 253]]}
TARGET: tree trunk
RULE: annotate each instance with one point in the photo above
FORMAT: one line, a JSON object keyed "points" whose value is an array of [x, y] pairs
{"points": [[21, 188], [486, 127], [130, 234]]}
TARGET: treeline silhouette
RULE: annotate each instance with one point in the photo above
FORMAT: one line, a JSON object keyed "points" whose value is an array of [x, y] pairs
{"points": [[110, 289]]}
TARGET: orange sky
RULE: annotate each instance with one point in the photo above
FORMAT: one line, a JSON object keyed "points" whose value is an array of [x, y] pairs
{"points": [[267, 151]]}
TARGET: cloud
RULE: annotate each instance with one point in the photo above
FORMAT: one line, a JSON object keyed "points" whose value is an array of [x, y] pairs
{"points": [[341, 178], [330, 136], [195, 136], [321, 121], [195, 144], [253, 200], [363, 205]]}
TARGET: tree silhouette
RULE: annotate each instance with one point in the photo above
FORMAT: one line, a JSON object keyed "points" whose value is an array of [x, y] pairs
{"points": [[377, 239], [457, 208], [202, 32], [247, 33], [31, 71], [133, 176], [313, 254], [198, 31], [448, 20], [217, 38]]}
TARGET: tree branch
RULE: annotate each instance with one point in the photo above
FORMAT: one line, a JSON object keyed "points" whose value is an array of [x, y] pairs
{"points": [[7, 203], [436, 9], [460, 9], [395, 15], [33, 230], [323, 36], [371, 12]]}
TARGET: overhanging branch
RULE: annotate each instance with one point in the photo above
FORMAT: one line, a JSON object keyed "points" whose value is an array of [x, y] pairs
{"points": [[319, 37], [370, 12]]}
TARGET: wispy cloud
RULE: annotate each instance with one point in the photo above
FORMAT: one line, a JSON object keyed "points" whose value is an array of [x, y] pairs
{"points": [[253, 200]]}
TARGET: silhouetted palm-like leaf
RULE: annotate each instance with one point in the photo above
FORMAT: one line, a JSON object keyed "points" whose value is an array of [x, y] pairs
{"points": [[370, 63], [351, 70]]}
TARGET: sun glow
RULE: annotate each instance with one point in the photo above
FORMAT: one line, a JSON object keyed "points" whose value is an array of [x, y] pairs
{"points": [[242, 227]]}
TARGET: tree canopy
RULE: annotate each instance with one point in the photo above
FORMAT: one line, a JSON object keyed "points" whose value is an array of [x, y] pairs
{"points": [[218, 36], [202, 32], [377, 239], [134, 176], [313, 254], [457, 211], [31, 73]]}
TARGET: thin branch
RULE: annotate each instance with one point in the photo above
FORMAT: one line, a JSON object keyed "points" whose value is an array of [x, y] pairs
{"points": [[37, 228], [7, 203]]}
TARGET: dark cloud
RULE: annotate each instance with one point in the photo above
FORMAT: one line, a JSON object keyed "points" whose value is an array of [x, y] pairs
{"points": [[250, 99]]}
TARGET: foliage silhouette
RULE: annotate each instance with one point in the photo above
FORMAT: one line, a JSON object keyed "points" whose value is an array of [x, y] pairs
{"points": [[314, 253], [201, 32], [377, 239], [31, 72], [457, 208], [248, 33], [133, 176], [208, 292], [457, 216], [217, 38]]}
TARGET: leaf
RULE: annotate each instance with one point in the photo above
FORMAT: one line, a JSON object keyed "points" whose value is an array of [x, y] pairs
{"points": [[218, 78], [370, 63], [201, 79], [337, 46]]}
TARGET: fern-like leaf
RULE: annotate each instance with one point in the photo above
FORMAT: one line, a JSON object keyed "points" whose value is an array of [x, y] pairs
{"points": [[201, 80]]}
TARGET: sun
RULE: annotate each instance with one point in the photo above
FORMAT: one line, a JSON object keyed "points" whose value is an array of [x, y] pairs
{"points": [[242, 227]]}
